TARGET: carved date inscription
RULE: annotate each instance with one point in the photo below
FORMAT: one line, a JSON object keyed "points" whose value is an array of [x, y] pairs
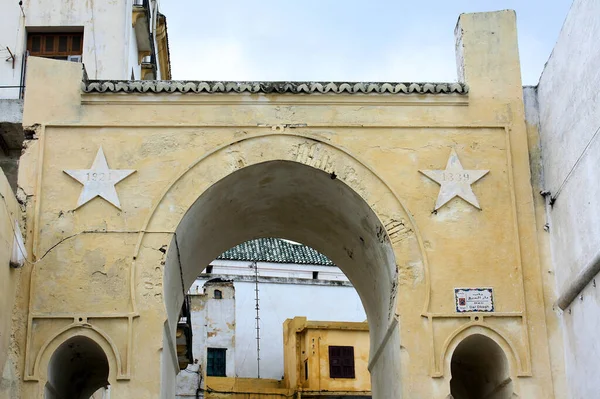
{"points": [[455, 176]]}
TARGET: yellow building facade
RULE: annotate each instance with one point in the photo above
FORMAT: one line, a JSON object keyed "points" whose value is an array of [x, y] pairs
{"points": [[420, 193], [307, 365], [308, 358]]}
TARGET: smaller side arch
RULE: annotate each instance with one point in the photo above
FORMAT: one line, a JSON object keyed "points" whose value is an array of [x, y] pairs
{"points": [[75, 329], [478, 327], [77, 369], [480, 368]]}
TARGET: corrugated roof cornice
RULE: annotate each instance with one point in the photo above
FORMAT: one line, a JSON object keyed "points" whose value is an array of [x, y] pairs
{"points": [[224, 87]]}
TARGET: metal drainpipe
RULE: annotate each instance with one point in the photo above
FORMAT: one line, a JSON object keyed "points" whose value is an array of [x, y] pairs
{"points": [[583, 278]]}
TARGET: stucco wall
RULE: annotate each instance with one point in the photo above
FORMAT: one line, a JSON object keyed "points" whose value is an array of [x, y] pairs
{"points": [[279, 302], [318, 342], [270, 269], [569, 121], [133, 64], [221, 323], [108, 38], [12, 31], [404, 259], [9, 214], [307, 355]]}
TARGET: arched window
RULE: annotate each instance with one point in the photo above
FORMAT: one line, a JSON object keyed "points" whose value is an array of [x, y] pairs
{"points": [[480, 369], [218, 294], [78, 369]]}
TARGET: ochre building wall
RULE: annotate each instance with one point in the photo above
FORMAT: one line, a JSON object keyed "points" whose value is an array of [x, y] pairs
{"points": [[309, 341], [10, 213], [114, 275]]}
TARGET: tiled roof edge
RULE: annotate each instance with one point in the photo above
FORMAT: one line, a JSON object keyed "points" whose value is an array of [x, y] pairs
{"points": [[214, 87], [274, 250]]}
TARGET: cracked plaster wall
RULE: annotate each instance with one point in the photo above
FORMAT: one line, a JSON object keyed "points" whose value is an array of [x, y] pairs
{"points": [[357, 146], [10, 212]]}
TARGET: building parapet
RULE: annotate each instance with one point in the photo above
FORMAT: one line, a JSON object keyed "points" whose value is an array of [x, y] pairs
{"points": [[213, 87]]}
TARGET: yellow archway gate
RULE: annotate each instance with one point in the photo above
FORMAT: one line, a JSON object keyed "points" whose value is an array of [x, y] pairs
{"points": [[300, 189], [420, 192]]}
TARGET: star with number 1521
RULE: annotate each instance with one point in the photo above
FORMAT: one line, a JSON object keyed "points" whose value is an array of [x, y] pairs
{"points": [[99, 181]]}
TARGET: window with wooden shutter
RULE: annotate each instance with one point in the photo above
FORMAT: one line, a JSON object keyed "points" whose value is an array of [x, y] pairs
{"points": [[341, 362], [55, 45], [216, 362]]}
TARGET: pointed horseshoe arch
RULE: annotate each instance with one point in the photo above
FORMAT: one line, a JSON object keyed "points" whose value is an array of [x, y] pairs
{"points": [[95, 335], [478, 361], [306, 190], [474, 328]]}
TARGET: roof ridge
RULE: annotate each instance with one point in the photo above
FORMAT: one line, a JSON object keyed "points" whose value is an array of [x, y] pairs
{"points": [[275, 250]]}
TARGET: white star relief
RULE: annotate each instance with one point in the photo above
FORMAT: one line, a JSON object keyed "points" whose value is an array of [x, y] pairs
{"points": [[455, 182], [99, 181]]}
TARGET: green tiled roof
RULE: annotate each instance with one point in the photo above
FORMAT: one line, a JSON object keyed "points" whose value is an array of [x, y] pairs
{"points": [[277, 251]]}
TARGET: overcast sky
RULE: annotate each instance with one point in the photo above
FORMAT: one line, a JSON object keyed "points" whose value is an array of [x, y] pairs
{"points": [[352, 40]]}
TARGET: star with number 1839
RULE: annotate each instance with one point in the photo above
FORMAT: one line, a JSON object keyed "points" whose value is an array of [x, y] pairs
{"points": [[455, 181]]}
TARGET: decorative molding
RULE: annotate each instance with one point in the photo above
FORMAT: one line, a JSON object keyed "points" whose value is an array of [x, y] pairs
{"points": [[178, 86]]}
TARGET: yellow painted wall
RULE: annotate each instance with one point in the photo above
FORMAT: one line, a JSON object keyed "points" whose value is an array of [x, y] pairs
{"points": [[9, 277], [101, 271], [309, 341], [245, 388]]}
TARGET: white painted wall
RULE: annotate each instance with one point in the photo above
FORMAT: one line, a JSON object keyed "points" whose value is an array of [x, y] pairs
{"points": [[110, 47], [281, 298], [12, 30], [132, 62], [213, 326], [569, 112], [221, 323], [268, 269], [279, 302]]}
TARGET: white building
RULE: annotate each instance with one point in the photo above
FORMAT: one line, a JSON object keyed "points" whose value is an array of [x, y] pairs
{"points": [[292, 280], [117, 40], [565, 108]]}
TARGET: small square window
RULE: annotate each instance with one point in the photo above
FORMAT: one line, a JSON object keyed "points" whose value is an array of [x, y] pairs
{"points": [[218, 294], [341, 362], [215, 362]]}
